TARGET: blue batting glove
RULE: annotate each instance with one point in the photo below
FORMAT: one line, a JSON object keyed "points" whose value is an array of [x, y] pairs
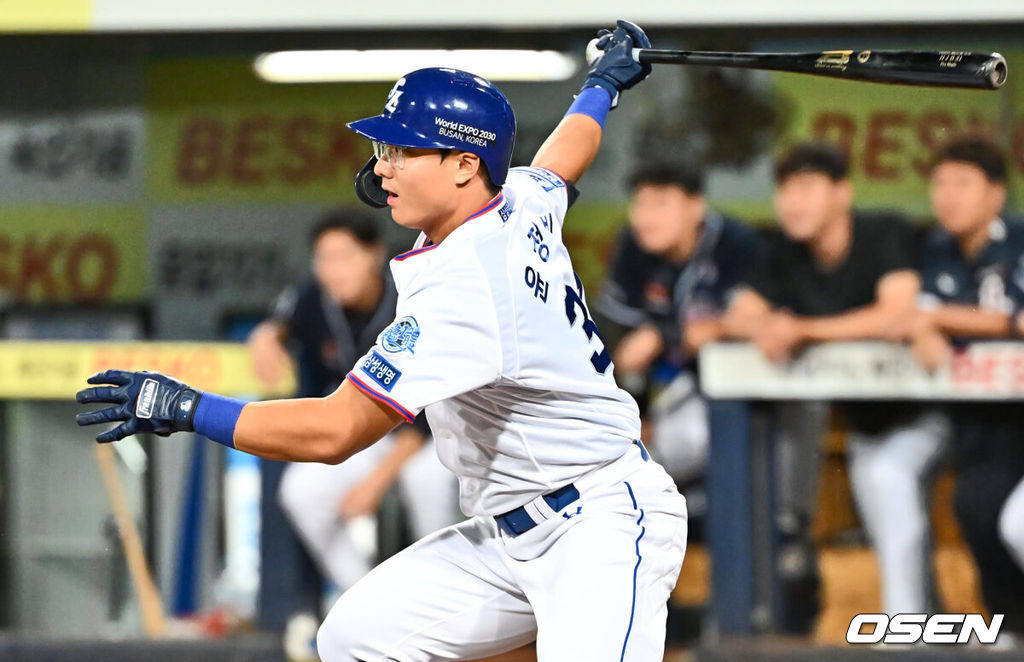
{"points": [[145, 401], [616, 70]]}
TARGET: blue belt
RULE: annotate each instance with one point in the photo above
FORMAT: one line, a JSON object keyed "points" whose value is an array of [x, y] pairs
{"points": [[517, 522]]}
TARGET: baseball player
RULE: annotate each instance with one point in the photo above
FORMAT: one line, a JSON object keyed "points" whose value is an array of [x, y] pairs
{"points": [[972, 279], [838, 273], [575, 537], [673, 272]]}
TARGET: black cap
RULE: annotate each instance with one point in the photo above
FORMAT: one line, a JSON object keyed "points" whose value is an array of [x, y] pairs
{"points": [[977, 150], [818, 157], [668, 173]]}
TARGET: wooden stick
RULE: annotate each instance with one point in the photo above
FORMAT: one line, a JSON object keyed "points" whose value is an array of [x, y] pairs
{"points": [[150, 603]]}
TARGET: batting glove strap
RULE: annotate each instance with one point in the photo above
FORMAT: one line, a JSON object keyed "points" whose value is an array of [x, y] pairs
{"points": [[184, 410], [607, 84], [616, 70]]}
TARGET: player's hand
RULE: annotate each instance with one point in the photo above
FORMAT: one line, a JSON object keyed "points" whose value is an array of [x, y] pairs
{"points": [[909, 325], [931, 349], [780, 337], [270, 360], [144, 401], [638, 350], [363, 499], [615, 69]]}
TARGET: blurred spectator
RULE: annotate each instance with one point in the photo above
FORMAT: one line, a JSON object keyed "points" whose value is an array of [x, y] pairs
{"points": [[972, 275], [675, 268], [838, 274], [330, 320]]}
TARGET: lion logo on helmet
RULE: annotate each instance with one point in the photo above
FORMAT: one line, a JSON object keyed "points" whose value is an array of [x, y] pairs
{"points": [[391, 105]]}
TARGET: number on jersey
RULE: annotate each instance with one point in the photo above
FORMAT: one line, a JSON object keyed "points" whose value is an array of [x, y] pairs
{"points": [[574, 300]]}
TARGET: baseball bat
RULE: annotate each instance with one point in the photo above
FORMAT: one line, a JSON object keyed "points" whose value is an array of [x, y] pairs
{"points": [[150, 605], [931, 68]]}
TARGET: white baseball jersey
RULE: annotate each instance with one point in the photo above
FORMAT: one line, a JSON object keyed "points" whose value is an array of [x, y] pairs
{"points": [[493, 338]]}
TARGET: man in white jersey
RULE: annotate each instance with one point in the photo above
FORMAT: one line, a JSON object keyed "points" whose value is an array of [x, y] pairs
{"points": [[575, 537]]}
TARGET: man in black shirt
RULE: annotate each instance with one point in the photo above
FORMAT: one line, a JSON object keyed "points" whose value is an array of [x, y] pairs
{"points": [[835, 274], [329, 321], [675, 268], [972, 278]]}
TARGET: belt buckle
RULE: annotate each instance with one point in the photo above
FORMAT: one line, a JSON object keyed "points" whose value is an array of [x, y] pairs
{"points": [[518, 520]]}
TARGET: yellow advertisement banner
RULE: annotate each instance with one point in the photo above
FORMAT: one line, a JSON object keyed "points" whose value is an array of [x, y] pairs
{"points": [[57, 370], [219, 133], [46, 15], [892, 132], [73, 254]]}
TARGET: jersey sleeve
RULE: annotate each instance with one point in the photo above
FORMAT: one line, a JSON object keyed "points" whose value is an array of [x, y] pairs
{"points": [[766, 276], [733, 260], [544, 187], [286, 309], [442, 343], [930, 263], [1015, 266], [897, 248]]}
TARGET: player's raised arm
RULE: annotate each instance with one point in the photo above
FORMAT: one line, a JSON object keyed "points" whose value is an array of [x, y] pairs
{"points": [[573, 144]]}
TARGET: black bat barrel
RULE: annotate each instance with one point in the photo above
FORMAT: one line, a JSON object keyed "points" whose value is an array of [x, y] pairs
{"points": [[932, 68]]}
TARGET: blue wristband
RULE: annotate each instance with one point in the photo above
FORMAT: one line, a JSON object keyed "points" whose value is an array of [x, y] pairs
{"points": [[216, 417], [594, 102]]}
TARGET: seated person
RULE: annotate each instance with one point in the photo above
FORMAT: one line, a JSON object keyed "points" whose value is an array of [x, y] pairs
{"points": [[972, 271], [330, 321], [675, 267], [837, 274]]}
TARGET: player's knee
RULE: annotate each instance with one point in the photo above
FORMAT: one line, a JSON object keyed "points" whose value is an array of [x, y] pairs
{"points": [[888, 477], [345, 634], [332, 644], [291, 496], [1011, 529]]}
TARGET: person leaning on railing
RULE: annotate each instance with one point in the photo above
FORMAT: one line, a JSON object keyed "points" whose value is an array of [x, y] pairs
{"points": [[972, 275], [835, 273]]}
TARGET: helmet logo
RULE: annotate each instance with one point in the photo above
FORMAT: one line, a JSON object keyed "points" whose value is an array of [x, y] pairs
{"points": [[394, 95]]}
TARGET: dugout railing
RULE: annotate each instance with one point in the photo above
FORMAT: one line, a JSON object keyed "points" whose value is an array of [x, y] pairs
{"points": [[740, 385]]}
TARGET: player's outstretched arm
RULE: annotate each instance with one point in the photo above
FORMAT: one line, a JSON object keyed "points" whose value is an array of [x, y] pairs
{"points": [[327, 429], [572, 146]]}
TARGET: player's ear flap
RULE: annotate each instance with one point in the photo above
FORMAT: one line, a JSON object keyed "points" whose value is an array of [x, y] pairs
{"points": [[368, 186]]}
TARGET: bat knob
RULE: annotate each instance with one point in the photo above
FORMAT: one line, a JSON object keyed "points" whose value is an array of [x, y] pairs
{"points": [[995, 70], [593, 52]]}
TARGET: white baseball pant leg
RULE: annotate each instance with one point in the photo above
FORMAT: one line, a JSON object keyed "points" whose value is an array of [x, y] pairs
{"points": [[592, 586], [310, 494], [1011, 524], [680, 433], [890, 475], [800, 427]]}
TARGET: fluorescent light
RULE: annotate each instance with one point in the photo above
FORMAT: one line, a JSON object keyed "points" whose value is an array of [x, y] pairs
{"points": [[387, 65]]}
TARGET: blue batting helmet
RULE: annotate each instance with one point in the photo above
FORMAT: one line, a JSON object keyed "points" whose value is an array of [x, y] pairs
{"points": [[440, 108]]}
